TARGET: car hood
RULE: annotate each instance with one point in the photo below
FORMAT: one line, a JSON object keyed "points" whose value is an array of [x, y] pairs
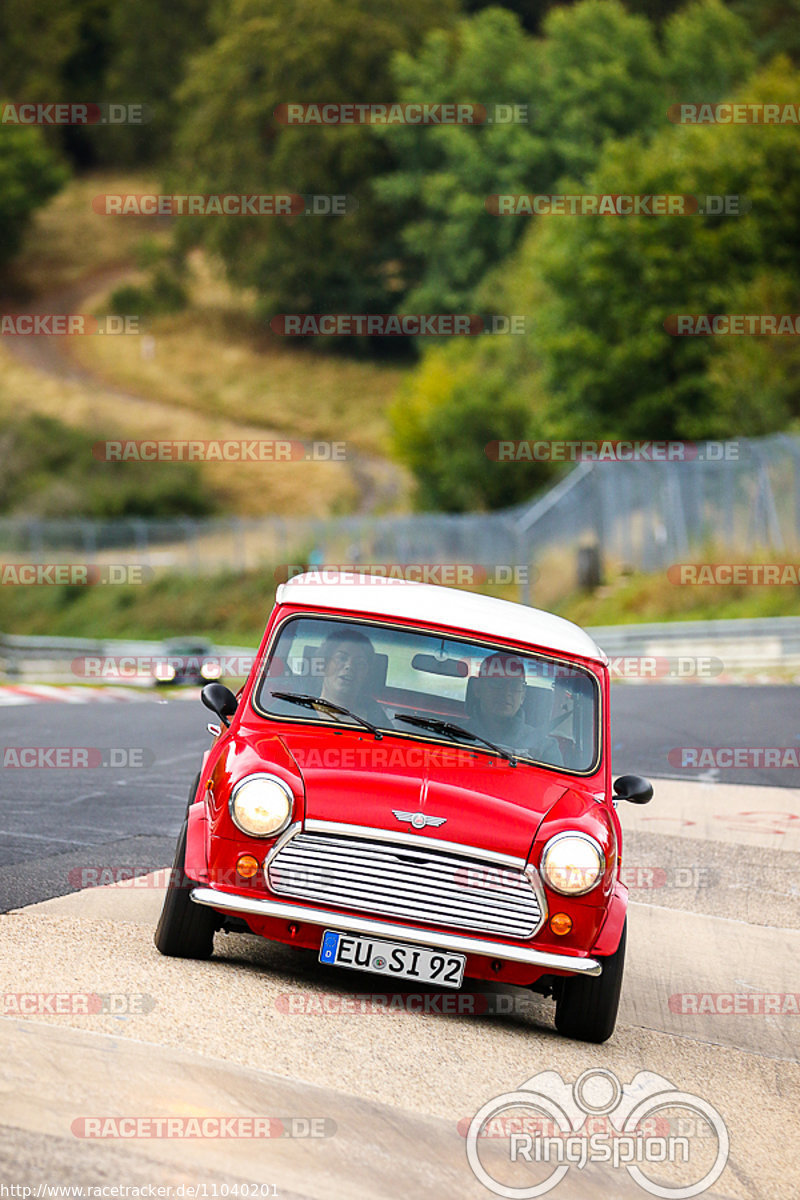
{"points": [[479, 800]]}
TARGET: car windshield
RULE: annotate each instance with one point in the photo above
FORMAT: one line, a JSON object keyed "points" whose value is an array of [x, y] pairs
{"points": [[188, 648], [537, 708]]}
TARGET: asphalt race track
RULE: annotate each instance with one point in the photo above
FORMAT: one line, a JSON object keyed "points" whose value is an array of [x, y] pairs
{"points": [[56, 820], [710, 999]]}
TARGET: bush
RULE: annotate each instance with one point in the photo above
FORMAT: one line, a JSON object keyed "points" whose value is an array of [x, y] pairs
{"points": [[47, 470], [164, 294]]}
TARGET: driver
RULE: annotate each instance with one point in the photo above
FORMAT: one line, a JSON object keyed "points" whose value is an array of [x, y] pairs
{"points": [[348, 659], [500, 713]]}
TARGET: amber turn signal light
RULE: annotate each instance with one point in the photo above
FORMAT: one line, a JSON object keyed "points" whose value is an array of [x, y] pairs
{"points": [[246, 866], [560, 923]]}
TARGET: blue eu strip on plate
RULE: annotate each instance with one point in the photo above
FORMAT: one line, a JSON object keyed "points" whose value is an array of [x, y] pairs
{"points": [[330, 943]]}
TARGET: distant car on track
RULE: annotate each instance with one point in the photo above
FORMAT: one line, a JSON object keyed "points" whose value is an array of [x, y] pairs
{"points": [[187, 661], [416, 782]]}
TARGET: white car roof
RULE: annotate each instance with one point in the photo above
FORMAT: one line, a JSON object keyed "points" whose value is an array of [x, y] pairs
{"points": [[410, 601]]}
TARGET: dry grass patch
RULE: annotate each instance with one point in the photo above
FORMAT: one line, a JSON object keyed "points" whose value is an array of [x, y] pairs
{"points": [[215, 358], [297, 488], [67, 240]]}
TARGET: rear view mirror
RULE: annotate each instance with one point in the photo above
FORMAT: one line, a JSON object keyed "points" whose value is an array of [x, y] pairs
{"points": [[456, 668], [220, 700], [633, 788]]}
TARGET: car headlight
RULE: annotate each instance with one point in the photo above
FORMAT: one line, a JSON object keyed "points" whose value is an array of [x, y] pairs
{"points": [[164, 671], [572, 863], [210, 670], [261, 805]]}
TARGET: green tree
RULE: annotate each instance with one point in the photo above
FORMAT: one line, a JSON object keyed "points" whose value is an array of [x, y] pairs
{"points": [[266, 54], [775, 25], [151, 44], [708, 50], [595, 291], [445, 173], [604, 80], [450, 411], [29, 175], [47, 470], [613, 281], [53, 53], [596, 75]]}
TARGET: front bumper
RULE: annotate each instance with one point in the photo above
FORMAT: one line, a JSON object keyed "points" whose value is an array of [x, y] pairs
{"points": [[244, 905]]}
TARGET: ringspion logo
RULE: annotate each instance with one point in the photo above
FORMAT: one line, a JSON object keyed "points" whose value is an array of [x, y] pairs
{"points": [[539, 1132]]}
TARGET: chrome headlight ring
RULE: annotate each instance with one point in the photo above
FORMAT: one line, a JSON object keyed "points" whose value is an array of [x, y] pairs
{"points": [[261, 805], [575, 870]]}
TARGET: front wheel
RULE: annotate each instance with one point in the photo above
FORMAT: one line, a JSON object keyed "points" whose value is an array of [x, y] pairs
{"points": [[184, 930], [586, 1006]]}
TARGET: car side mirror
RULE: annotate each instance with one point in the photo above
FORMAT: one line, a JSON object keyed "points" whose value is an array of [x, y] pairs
{"points": [[220, 700], [633, 788]]}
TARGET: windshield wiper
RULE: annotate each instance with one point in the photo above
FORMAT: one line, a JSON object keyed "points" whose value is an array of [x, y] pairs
{"points": [[329, 706], [447, 727]]}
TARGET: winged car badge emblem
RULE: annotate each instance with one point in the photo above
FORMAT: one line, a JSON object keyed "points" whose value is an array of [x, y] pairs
{"points": [[418, 820]]}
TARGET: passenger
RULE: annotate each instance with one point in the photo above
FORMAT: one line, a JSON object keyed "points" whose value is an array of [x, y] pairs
{"points": [[500, 712]]}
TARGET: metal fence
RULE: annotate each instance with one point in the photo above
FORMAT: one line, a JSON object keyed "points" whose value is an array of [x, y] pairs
{"points": [[643, 515]]}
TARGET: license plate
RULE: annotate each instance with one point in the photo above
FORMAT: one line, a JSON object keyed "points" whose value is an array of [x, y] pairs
{"points": [[398, 959]]}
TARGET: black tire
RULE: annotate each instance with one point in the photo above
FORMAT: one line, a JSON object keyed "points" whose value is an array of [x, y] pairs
{"points": [[184, 930], [586, 1007]]}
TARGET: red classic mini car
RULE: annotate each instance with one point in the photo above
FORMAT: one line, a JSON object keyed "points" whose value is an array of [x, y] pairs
{"points": [[415, 781]]}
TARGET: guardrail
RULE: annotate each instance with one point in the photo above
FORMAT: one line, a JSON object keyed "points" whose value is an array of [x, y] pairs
{"points": [[646, 515], [54, 659], [747, 646], [744, 646]]}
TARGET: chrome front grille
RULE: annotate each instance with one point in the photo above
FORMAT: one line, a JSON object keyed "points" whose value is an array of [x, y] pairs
{"points": [[401, 881]]}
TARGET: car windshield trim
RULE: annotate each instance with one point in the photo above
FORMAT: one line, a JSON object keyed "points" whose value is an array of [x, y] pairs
{"points": [[555, 659]]}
